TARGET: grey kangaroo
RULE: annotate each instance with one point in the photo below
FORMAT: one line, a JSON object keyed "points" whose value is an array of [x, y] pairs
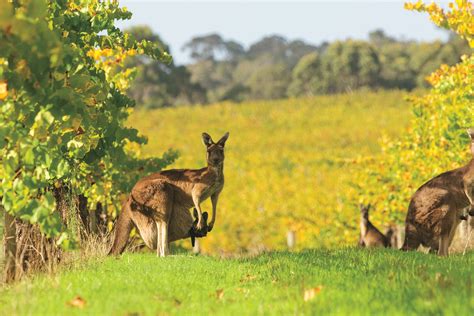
{"points": [[159, 204], [438, 206], [370, 236]]}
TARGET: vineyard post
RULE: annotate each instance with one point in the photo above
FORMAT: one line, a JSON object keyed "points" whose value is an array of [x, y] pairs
{"points": [[291, 239], [400, 235]]}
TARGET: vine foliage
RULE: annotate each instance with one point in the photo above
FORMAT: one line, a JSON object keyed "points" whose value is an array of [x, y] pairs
{"points": [[436, 139], [63, 109]]}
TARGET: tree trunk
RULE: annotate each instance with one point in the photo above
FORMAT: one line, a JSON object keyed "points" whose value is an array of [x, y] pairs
{"points": [[27, 249], [34, 251], [83, 212], [10, 248]]}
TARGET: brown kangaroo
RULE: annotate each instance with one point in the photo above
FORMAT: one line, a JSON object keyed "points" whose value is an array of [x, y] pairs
{"points": [[159, 204], [436, 208], [370, 236]]}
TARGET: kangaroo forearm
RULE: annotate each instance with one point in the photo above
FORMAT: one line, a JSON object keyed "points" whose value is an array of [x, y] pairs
{"points": [[213, 218], [214, 199], [468, 193], [197, 206]]}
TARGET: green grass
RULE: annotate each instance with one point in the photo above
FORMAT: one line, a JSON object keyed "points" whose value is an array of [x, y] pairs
{"points": [[354, 281]]}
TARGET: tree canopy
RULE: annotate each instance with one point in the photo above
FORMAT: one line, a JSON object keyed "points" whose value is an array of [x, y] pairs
{"points": [[223, 69]]}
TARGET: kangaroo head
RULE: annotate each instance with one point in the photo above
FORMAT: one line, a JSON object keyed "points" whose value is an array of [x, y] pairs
{"points": [[470, 131], [215, 151], [364, 210]]}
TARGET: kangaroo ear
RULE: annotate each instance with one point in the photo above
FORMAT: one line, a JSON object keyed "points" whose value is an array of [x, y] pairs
{"points": [[364, 207], [222, 141], [470, 131], [207, 140]]}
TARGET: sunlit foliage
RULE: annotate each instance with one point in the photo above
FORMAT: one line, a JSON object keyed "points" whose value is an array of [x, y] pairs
{"points": [[436, 139], [62, 107]]}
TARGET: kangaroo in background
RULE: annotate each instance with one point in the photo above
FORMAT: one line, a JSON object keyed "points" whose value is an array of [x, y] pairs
{"points": [[437, 208], [159, 204], [370, 236]]}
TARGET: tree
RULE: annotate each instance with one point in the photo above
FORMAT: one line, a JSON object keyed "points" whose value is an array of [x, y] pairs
{"points": [[269, 82], [351, 65], [62, 119], [307, 77], [213, 47], [427, 57], [278, 50], [379, 38], [160, 84]]}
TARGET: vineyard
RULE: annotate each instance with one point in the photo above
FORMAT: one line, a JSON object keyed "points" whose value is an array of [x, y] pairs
{"points": [[289, 164]]}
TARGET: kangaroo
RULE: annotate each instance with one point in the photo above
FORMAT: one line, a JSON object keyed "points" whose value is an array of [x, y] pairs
{"points": [[437, 208], [159, 204], [370, 236]]}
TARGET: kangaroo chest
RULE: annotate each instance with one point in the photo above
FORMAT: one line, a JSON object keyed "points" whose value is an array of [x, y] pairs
{"points": [[212, 188]]}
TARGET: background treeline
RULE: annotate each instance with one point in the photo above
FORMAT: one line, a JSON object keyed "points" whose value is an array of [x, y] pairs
{"points": [[276, 67]]}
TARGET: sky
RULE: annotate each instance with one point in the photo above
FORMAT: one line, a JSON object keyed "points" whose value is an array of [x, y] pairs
{"points": [[248, 21]]}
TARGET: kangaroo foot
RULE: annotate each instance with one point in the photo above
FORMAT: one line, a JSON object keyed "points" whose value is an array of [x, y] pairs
{"points": [[194, 232], [471, 212]]}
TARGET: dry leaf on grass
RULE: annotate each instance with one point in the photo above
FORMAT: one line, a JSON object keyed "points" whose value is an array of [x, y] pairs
{"points": [[243, 291], [220, 294], [311, 293], [248, 278], [78, 302]]}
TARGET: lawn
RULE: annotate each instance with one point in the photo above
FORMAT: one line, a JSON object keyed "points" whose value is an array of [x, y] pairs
{"points": [[342, 282]]}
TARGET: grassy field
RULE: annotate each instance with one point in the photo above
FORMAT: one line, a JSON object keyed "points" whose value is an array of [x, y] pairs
{"points": [[288, 163], [344, 282]]}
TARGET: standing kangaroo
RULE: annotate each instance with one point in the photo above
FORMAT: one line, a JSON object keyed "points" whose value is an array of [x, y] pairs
{"points": [[370, 236], [437, 207], [159, 203]]}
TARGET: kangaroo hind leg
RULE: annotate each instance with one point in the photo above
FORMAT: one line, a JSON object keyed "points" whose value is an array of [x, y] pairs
{"points": [[162, 248], [161, 206], [443, 245], [146, 228]]}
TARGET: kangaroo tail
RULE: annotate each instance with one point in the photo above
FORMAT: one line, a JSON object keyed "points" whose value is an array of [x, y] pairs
{"points": [[122, 229]]}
